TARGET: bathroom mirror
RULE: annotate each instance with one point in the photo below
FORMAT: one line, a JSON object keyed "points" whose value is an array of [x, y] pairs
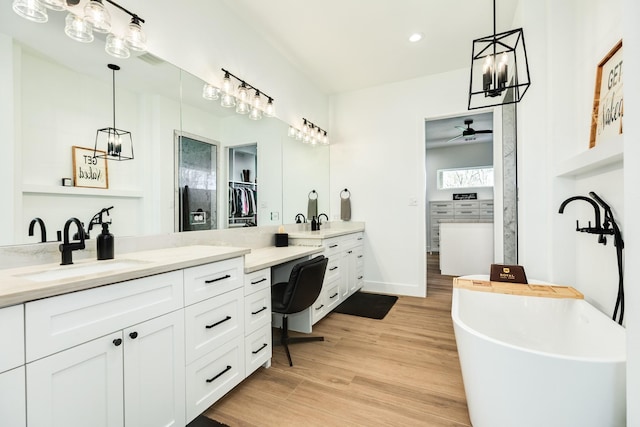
{"points": [[60, 93]]}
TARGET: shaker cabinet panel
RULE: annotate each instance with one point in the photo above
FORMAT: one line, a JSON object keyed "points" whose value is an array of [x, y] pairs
{"points": [[81, 386], [12, 398], [209, 280], [11, 337]]}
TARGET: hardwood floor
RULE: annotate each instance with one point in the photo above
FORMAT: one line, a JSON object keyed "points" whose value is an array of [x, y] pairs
{"points": [[399, 371]]}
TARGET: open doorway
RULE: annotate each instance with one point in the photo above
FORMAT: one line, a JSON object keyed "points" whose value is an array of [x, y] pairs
{"points": [[460, 192]]}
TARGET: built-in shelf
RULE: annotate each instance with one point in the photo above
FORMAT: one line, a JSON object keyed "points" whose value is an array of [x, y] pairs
{"points": [[79, 191], [591, 160]]}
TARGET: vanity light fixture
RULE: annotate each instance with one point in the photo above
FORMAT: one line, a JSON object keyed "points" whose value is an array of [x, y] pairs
{"points": [[499, 68], [210, 92], [242, 98], [309, 133], [96, 17], [113, 143]]}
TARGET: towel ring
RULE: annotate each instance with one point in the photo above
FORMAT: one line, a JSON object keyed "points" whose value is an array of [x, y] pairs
{"points": [[313, 192], [345, 191]]}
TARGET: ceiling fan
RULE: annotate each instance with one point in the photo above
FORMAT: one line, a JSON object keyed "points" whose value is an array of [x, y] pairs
{"points": [[469, 132]]}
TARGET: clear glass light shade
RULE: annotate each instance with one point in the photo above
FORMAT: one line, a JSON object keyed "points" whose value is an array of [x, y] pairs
{"points": [[242, 95], [269, 110], [292, 132], [136, 38], [98, 16], [325, 139], [242, 107], [256, 102], [210, 92], [57, 5], [227, 87], [32, 10], [299, 135], [78, 29], [116, 47], [228, 100], [255, 114]]}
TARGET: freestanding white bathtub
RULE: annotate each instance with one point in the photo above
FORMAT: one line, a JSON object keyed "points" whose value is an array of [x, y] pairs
{"points": [[533, 361]]}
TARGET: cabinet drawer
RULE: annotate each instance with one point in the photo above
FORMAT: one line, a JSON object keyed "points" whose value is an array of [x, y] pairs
{"points": [[359, 251], [467, 213], [486, 204], [486, 213], [257, 310], [332, 295], [440, 206], [319, 308], [257, 349], [466, 204], [213, 375], [333, 268], [332, 246], [435, 213], [209, 280], [257, 281], [213, 322], [56, 323], [11, 337]]}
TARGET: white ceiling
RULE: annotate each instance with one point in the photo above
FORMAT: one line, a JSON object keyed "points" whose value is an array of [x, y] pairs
{"points": [[344, 45], [441, 132]]}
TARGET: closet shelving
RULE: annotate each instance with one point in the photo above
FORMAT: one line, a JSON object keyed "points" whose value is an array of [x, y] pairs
{"points": [[243, 186]]}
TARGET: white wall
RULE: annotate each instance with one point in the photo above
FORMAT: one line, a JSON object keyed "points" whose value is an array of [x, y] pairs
{"points": [[631, 11]]}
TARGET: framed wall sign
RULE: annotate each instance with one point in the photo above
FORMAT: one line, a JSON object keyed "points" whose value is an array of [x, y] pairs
{"points": [[606, 117], [88, 170]]}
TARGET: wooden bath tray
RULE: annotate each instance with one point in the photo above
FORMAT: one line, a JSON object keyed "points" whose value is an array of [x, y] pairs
{"points": [[532, 289]]}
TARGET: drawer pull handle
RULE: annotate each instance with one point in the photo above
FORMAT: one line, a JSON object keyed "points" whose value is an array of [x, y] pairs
{"points": [[333, 296], [133, 335], [259, 311], [360, 256], [333, 268], [259, 281], [226, 276], [333, 246], [260, 349], [218, 322], [228, 368], [360, 238], [360, 277], [349, 252], [320, 308], [117, 342]]}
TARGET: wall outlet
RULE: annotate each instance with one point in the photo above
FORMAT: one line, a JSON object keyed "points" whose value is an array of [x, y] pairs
{"points": [[275, 216]]}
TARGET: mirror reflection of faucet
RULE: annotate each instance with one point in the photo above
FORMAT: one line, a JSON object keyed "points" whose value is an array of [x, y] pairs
{"points": [[300, 218], [43, 229]]}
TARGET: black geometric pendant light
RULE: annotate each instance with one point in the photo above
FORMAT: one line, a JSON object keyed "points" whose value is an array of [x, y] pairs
{"points": [[499, 68]]}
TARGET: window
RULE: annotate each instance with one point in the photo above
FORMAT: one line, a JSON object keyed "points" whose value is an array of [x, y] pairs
{"points": [[470, 177]]}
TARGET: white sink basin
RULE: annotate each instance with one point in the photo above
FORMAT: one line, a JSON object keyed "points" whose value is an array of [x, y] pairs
{"points": [[66, 272]]}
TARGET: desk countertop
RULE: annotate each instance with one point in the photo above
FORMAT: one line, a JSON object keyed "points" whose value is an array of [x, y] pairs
{"points": [[18, 285], [270, 256]]}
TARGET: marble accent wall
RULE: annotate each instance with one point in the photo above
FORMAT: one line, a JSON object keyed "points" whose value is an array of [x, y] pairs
{"points": [[510, 184]]}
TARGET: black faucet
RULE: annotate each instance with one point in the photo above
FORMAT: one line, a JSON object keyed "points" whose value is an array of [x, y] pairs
{"points": [[593, 230], [67, 248], [324, 215], [298, 221], [43, 229]]}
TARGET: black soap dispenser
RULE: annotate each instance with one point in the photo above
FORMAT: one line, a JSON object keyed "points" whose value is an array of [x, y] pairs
{"points": [[105, 243]]}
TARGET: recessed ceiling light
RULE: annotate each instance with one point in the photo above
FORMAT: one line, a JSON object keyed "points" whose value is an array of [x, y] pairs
{"points": [[415, 37]]}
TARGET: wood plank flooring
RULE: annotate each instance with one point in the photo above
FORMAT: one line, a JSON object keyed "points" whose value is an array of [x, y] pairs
{"points": [[399, 371]]}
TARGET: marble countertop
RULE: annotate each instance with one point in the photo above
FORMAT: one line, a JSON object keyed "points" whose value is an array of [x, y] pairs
{"points": [[270, 256], [334, 230], [24, 284]]}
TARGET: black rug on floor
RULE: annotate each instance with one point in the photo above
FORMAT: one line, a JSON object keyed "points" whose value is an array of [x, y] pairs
{"points": [[363, 304], [202, 421]]}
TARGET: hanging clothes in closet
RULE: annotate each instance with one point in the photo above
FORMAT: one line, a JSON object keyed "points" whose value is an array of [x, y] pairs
{"points": [[242, 201]]}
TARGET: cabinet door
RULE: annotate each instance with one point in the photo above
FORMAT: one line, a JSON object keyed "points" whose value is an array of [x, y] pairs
{"points": [[11, 337], [78, 387], [154, 372], [12, 398]]}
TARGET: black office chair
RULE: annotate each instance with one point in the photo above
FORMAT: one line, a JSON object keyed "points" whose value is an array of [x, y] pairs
{"points": [[296, 295]]}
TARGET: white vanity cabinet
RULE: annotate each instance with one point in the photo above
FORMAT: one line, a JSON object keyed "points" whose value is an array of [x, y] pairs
{"points": [[108, 355], [12, 382], [343, 277], [257, 320], [214, 318]]}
